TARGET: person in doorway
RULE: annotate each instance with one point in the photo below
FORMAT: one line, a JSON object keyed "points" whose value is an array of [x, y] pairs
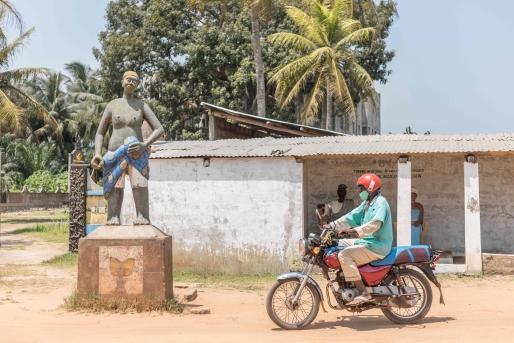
{"points": [[372, 223], [417, 214], [340, 206]]}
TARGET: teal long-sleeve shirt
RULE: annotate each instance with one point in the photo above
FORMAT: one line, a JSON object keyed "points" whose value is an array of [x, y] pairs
{"points": [[380, 241]]}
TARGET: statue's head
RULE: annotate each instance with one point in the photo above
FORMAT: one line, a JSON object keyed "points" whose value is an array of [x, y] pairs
{"points": [[130, 81]]}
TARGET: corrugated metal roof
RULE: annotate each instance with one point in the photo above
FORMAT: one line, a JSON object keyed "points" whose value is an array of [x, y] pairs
{"points": [[263, 121], [343, 145]]}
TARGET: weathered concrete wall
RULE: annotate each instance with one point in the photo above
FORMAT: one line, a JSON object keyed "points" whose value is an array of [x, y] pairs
{"points": [[237, 215], [498, 264], [16, 201], [497, 203]]}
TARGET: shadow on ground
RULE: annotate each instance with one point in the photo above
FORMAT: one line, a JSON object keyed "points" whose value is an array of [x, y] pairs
{"points": [[371, 323]]}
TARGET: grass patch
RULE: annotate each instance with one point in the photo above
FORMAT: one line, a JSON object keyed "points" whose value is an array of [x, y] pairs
{"points": [[14, 247], [52, 232], [33, 217], [31, 220], [11, 270], [95, 303], [67, 260], [247, 282]]}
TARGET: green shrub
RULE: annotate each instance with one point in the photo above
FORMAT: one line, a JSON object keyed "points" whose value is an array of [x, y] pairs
{"points": [[48, 180]]}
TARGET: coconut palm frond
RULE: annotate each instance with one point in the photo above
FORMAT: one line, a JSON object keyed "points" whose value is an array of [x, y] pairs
{"points": [[315, 98], [292, 40], [9, 51], [39, 110], [22, 75], [11, 116], [11, 14], [358, 37]]}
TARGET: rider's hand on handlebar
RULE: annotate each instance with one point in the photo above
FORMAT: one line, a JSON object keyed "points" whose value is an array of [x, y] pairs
{"points": [[345, 232], [328, 227]]}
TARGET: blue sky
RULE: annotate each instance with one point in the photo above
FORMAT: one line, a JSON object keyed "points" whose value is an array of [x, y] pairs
{"points": [[452, 72]]}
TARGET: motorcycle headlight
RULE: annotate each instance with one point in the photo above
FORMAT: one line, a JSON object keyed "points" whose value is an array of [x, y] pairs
{"points": [[303, 247]]}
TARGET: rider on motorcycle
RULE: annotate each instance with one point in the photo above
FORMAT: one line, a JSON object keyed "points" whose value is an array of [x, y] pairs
{"points": [[371, 221]]}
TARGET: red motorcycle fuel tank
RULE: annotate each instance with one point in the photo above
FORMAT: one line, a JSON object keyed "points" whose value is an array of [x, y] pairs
{"points": [[331, 259]]}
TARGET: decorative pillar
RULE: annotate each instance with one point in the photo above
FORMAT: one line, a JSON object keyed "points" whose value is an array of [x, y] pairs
{"points": [[403, 209], [473, 239], [77, 181]]}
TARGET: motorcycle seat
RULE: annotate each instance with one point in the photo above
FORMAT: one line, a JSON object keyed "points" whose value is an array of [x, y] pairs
{"points": [[405, 254]]}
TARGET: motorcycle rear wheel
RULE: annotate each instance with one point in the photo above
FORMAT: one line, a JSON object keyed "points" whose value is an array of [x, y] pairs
{"points": [[285, 317], [418, 312]]}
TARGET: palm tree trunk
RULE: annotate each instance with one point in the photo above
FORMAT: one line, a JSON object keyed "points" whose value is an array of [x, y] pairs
{"points": [[330, 108], [298, 108], [259, 67], [324, 113], [61, 150]]}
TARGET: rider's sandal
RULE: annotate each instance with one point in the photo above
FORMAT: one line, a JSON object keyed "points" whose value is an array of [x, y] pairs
{"points": [[359, 300]]}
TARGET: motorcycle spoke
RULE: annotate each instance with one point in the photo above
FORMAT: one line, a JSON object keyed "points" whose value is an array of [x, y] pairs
{"points": [[284, 294], [412, 311]]}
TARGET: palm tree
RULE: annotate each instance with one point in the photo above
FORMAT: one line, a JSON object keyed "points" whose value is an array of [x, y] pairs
{"points": [[12, 16], [28, 158], [12, 118], [255, 8], [84, 103], [323, 56], [49, 90], [83, 78]]}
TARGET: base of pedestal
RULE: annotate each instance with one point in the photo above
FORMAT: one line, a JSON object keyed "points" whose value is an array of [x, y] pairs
{"points": [[126, 261]]}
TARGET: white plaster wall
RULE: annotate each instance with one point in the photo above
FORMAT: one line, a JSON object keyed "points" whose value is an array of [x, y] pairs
{"points": [[237, 215], [496, 179], [439, 181]]}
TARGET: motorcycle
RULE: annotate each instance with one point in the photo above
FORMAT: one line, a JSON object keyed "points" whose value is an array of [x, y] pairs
{"points": [[398, 284]]}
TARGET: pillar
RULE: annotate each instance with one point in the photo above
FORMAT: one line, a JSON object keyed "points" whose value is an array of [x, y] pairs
{"points": [[77, 180], [213, 127], [473, 240], [404, 202]]}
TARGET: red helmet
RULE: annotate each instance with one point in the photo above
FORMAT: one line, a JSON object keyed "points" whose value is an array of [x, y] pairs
{"points": [[370, 181]]}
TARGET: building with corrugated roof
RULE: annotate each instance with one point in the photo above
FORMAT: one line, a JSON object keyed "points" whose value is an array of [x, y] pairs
{"points": [[241, 205]]}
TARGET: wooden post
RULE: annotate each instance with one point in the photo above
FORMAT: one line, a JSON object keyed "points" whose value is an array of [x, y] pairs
{"points": [[213, 127], [404, 202], [472, 239], [77, 209]]}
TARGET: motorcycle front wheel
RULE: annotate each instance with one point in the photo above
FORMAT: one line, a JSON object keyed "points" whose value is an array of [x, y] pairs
{"points": [[291, 316]]}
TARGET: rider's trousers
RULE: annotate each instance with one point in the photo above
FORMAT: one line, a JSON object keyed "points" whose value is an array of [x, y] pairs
{"points": [[353, 257]]}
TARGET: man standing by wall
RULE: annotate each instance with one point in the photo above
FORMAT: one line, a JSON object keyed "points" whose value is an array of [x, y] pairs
{"points": [[340, 206]]}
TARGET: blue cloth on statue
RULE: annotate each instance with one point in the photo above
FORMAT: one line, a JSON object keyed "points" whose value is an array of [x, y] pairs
{"points": [[117, 162], [415, 232]]}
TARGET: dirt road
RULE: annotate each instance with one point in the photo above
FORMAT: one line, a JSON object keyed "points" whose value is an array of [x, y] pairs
{"points": [[20, 248], [29, 301]]}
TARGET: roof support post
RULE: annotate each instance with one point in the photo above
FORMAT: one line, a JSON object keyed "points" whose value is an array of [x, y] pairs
{"points": [[403, 210], [213, 127], [472, 240]]}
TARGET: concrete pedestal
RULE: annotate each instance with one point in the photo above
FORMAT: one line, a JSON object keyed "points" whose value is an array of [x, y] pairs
{"points": [[126, 261]]}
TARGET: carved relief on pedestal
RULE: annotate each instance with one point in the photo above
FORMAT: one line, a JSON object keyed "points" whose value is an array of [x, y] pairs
{"points": [[120, 270]]}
